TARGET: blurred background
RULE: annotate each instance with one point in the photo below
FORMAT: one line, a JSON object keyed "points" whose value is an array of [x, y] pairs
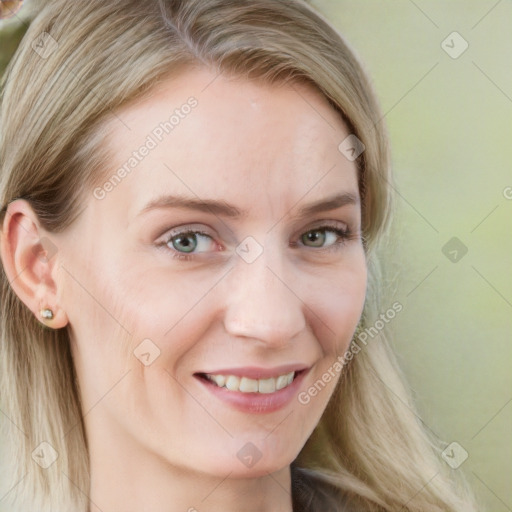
{"points": [[443, 74]]}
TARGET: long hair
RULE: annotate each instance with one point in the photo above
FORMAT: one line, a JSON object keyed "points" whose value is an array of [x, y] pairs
{"points": [[77, 64]]}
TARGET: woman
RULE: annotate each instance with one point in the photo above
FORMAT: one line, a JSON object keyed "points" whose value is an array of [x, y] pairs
{"points": [[193, 196]]}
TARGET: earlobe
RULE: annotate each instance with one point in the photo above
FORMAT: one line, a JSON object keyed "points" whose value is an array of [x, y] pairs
{"points": [[30, 259]]}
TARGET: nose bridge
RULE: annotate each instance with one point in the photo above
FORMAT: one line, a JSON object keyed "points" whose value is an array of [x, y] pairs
{"points": [[261, 303]]}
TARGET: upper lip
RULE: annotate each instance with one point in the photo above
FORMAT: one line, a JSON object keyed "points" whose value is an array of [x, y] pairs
{"points": [[254, 372]]}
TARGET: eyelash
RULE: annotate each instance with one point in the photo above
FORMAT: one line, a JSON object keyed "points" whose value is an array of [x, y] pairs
{"points": [[343, 234]]}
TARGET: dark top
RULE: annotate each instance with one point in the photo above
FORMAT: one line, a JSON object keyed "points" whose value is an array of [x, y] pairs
{"points": [[310, 493]]}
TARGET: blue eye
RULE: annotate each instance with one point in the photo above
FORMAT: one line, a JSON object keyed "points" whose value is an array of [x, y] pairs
{"points": [[187, 245]]}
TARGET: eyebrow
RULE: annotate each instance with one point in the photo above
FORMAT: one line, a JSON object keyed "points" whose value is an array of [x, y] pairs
{"points": [[224, 209]]}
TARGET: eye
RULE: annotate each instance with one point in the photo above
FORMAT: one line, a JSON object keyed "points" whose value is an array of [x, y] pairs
{"points": [[328, 237], [188, 243]]}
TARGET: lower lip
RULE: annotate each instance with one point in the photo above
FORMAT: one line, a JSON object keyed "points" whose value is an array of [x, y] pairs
{"points": [[257, 403]]}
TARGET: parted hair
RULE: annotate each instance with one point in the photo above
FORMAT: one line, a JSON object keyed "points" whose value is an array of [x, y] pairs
{"points": [[81, 61]]}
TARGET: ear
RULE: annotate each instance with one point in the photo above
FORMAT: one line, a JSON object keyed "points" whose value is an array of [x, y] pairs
{"points": [[30, 261]]}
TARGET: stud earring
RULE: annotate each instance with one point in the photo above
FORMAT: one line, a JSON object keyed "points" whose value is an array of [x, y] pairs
{"points": [[47, 313]]}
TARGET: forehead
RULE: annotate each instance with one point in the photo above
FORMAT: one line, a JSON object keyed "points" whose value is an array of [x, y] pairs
{"points": [[212, 136]]}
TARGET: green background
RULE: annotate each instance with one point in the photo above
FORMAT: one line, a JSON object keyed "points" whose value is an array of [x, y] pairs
{"points": [[450, 124]]}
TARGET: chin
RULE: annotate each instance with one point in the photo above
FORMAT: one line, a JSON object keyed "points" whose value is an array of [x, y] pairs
{"points": [[260, 469], [247, 462]]}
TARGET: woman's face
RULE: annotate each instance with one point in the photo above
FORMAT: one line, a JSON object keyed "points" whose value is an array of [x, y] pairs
{"points": [[220, 251]]}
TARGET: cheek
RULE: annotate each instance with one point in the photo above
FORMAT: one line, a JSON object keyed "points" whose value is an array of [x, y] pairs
{"points": [[176, 310], [337, 301], [166, 314], [138, 315]]}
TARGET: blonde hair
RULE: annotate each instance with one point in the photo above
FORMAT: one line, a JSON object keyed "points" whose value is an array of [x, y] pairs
{"points": [[91, 58]]}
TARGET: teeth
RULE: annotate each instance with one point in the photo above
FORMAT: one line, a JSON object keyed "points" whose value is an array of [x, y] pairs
{"points": [[233, 383], [267, 385], [220, 380], [246, 385], [282, 381]]}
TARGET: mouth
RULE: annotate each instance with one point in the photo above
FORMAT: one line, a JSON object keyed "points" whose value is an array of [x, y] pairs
{"points": [[246, 384], [253, 390]]}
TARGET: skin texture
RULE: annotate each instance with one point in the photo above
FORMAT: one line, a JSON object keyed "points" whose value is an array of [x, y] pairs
{"points": [[159, 440]]}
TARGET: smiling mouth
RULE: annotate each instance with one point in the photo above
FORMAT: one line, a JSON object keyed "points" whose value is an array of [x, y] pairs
{"points": [[248, 385]]}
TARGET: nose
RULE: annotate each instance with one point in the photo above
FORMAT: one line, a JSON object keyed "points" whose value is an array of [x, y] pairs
{"points": [[262, 303]]}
